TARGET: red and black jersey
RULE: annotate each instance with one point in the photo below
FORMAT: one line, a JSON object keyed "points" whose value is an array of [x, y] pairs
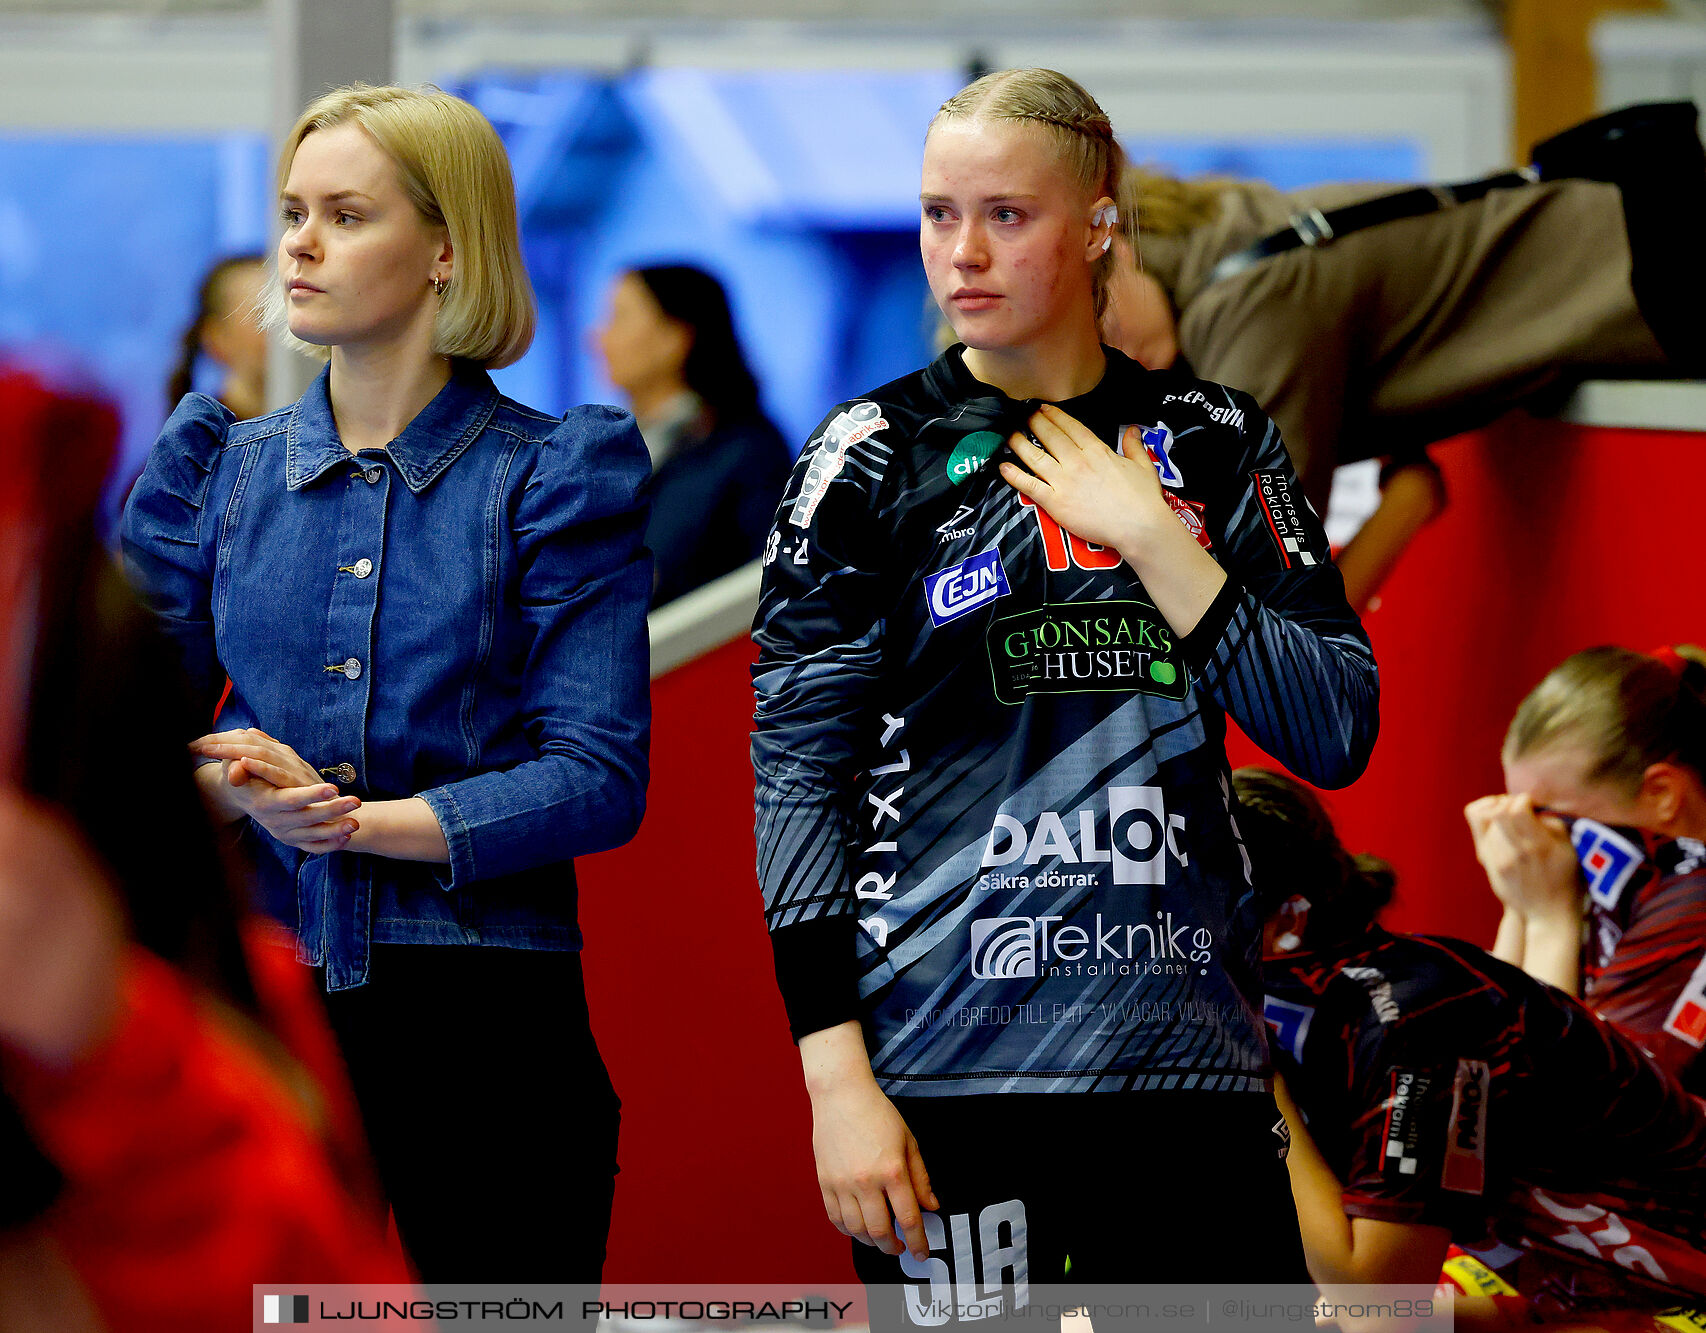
{"points": [[1644, 957], [1447, 1088]]}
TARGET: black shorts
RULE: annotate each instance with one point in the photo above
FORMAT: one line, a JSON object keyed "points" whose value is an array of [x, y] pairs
{"points": [[1170, 1187]]}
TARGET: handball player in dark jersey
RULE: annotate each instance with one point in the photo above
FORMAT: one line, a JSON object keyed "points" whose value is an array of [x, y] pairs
{"points": [[1009, 601], [1605, 817], [1460, 1114]]}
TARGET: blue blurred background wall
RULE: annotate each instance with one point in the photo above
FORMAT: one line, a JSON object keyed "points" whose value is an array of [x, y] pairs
{"points": [[103, 242], [797, 190]]}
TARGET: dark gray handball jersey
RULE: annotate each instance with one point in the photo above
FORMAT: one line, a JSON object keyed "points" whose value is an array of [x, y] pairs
{"points": [[993, 812]]}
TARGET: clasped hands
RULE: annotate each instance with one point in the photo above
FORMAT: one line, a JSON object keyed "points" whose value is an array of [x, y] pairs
{"points": [[266, 780]]}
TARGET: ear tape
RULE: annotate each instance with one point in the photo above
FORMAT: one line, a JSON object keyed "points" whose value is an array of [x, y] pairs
{"points": [[1107, 215]]}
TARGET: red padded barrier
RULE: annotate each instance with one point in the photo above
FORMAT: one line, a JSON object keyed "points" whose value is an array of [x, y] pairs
{"points": [[1557, 537], [717, 1181]]}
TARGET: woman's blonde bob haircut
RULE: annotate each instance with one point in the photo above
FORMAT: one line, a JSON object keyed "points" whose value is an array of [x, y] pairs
{"points": [[1076, 127], [452, 165]]}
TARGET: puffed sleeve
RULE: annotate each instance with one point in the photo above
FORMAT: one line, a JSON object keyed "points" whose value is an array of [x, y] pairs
{"points": [[169, 541], [1279, 648], [584, 585]]}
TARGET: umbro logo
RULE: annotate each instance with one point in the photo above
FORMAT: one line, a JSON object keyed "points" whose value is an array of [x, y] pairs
{"points": [[956, 527]]}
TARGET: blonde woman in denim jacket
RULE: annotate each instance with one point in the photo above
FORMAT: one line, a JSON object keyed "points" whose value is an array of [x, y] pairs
{"points": [[430, 603]]}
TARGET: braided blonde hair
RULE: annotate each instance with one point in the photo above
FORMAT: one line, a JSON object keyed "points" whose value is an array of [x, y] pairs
{"points": [[1079, 127]]}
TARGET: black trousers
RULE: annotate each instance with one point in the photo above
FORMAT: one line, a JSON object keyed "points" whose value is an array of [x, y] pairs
{"points": [[488, 1109], [1168, 1187]]}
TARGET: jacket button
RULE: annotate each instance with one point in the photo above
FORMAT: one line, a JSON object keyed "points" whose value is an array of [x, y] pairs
{"points": [[363, 568], [342, 773], [352, 669], [373, 474]]}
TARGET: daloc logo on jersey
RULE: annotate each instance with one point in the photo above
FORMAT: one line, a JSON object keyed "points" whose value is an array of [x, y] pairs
{"points": [[962, 588], [1004, 947], [1608, 859]]}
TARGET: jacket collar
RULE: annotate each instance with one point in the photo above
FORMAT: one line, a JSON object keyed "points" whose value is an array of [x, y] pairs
{"points": [[428, 445]]}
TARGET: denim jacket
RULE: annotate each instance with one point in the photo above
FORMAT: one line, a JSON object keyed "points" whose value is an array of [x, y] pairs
{"points": [[459, 616]]}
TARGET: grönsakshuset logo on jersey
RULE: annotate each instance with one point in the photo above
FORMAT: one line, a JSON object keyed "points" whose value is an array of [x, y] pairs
{"points": [[1112, 646], [1006, 948]]}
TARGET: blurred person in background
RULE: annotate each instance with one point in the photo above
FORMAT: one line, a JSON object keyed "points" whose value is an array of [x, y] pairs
{"points": [[1370, 322], [718, 464], [430, 602], [1449, 1099], [1597, 847], [226, 330], [175, 1125], [1001, 629]]}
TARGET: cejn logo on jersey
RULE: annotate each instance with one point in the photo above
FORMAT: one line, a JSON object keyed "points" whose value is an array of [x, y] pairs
{"points": [[1609, 860], [961, 589], [1075, 647], [1017, 948]]}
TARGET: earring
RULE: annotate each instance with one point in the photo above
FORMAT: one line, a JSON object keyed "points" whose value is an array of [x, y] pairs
{"points": [[437, 285]]}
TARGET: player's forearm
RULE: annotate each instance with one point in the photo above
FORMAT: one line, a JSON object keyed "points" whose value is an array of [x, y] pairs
{"points": [[1179, 576], [1327, 1243], [1510, 944], [834, 1058], [1552, 947], [1411, 499]]}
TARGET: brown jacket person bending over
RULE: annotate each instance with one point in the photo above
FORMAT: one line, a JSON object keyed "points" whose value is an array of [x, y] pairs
{"points": [[1390, 337]]}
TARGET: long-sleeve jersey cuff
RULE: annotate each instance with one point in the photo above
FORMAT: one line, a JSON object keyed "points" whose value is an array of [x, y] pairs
{"points": [[817, 972], [1198, 646]]}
